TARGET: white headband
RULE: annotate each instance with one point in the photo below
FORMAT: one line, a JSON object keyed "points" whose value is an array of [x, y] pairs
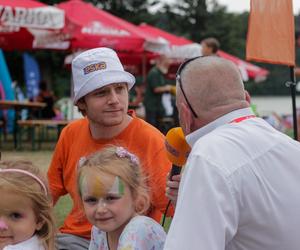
{"points": [[14, 170]]}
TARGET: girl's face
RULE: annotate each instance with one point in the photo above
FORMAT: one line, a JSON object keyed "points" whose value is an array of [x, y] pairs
{"points": [[17, 219], [108, 202]]}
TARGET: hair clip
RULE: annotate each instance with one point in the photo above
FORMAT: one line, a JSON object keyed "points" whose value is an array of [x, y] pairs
{"points": [[123, 153]]}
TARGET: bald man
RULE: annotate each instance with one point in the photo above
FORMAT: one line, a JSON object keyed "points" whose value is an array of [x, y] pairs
{"points": [[240, 186]]}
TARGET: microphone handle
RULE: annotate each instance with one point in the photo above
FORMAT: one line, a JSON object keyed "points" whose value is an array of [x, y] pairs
{"points": [[175, 171]]}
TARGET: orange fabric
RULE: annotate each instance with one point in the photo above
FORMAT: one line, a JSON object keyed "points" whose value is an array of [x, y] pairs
{"points": [[75, 141], [271, 37]]}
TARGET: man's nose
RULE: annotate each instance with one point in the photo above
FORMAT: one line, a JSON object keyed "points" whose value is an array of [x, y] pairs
{"points": [[113, 97]]}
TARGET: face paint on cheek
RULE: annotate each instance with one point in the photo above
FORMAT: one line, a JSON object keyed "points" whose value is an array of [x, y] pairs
{"points": [[118, 187]]}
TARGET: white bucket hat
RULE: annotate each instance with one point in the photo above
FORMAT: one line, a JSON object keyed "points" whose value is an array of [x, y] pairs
{"points": [[96, 68]]}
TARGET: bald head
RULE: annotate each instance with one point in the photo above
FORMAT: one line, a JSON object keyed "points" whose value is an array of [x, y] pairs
{"points": [[214, 87]]}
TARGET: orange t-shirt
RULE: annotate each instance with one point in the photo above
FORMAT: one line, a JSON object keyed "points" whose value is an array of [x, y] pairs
{"points": [[76, 141]]}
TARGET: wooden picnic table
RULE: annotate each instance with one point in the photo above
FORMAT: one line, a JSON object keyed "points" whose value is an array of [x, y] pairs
{"points": [[39, 124], [17, 106]]}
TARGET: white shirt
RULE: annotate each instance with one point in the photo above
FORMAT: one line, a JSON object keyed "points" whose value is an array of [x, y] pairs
{"points": [[31, 244], [240, 189]]}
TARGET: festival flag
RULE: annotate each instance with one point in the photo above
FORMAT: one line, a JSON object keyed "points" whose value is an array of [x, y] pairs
{"points": [[5, 81], [271, 28], [31, 75]]}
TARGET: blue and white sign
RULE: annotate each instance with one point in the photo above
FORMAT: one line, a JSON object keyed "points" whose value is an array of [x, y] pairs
{"points": [[31, 75]]}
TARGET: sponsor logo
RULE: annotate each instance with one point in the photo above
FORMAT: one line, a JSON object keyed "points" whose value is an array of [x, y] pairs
{"points": [[94, 67]]}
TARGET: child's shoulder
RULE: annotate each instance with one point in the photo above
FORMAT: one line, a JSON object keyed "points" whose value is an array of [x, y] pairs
{"points": [[142, 233], [98, 239], [141, 221], [33, 243]]}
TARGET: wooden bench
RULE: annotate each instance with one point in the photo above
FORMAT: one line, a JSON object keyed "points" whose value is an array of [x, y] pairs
{"points": [[1, 132], [39, 125]]}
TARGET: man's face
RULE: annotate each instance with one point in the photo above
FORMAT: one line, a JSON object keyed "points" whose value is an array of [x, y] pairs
{"points": [[106, 106], [206, 51]]}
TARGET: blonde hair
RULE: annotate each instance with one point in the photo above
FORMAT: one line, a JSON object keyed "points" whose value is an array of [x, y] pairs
{"points": [[124, 165], [29, 187]]}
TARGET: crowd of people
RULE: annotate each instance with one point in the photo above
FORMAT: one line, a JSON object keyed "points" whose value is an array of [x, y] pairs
{"points": [[238, 188]]}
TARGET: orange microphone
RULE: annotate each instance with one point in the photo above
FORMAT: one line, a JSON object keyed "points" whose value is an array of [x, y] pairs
{"points": [[177, 149]]}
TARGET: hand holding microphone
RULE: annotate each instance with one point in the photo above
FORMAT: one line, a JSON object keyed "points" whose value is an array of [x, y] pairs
{"points": [[177, 151]]}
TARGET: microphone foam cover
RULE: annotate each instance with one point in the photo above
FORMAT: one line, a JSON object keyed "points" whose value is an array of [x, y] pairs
{"points": [[177, 148]]}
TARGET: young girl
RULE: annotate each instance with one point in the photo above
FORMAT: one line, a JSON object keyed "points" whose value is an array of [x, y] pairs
{"points": [[114, 196], [26, 220]]}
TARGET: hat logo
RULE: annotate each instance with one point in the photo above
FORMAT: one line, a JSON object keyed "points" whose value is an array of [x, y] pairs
{"points": [[94, 67]]}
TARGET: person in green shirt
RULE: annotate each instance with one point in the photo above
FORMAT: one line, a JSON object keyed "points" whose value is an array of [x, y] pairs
{"points": [[155, 88]]}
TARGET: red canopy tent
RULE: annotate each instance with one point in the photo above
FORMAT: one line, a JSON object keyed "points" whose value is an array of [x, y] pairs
{"points": [[90, 27], [22, 20], [183, 48]]}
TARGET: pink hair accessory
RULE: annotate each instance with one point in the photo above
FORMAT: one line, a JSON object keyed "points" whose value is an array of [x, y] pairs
{"points": [[123, 153], [14, 170], [81, 161]]}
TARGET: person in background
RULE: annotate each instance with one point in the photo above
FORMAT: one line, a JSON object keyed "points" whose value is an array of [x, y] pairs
{"points": [[46, 96], [114, 195], [298, 124], [297, 73], [239, 188], [155, 88], [19, 96], [3, 116], [297, 41], [210, 46], [26, 218], [101, 93]]}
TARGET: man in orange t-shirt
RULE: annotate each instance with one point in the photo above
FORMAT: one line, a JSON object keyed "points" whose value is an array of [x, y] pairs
{"points": [[101, 93]]}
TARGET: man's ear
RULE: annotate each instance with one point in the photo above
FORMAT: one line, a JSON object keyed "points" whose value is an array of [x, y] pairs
{"points": [[81, 104], [247, 97], [186, 118]]}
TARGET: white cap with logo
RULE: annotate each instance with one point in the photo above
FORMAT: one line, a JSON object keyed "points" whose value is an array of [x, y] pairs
{"points": [[96, 68]]}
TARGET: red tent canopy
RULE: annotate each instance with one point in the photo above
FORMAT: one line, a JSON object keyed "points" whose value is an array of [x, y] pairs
{"points": [[90, 27], [21, 19], [185, 48], [21, 3]]}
